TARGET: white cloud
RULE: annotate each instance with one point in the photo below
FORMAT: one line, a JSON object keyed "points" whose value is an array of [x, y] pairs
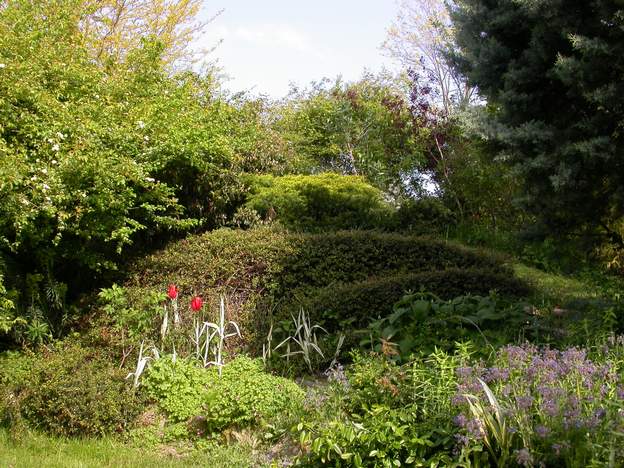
{"points": [[269, 36]]}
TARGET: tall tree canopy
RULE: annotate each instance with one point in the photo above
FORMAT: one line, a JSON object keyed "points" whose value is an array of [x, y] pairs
{"points": [[115, 27], [552, 73], [364, 128], [96, 158]]}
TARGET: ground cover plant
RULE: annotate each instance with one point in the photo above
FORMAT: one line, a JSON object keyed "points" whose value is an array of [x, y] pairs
{"points": [[242, 395]]}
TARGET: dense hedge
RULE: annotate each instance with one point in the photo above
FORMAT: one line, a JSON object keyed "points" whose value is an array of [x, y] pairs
{"points": [[347, 256], [280, 261], [360, 302], [347, 273]]}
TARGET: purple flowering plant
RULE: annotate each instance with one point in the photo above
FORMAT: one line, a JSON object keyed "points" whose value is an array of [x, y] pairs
{"points": [[540, 404]]}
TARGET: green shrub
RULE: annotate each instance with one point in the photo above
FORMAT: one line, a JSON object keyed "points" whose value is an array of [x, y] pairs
{"points": [[386, 413], [323, 201], [545, 407], [385, 437], [423, 322], [375, 380], [263, 267], [424, 215], [135, 317], [73, 392], [242, 395], [15, 368], [267, 258], [348, 256], [245, 394], [359, 302], [179, 387], [99, 159]]}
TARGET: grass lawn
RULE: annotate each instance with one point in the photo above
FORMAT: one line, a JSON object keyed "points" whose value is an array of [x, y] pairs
{"points": [[37, 451], [559, 288], [555, 287]]}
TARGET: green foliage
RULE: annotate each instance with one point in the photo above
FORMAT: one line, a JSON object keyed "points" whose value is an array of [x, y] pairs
{"points": [[383, 413], [544, 406], [384, 437], [363, 128], [72, 184], [323, 201], [74, 392], [8, 320], [551, 73], [375, 381], [244, 394], [423, 322], [345, 257], [179, 387], [268, 269], [15, 369], [358, 302], [476, 185], [425, 215], [95, 159], [133, 317], [425, 383]]}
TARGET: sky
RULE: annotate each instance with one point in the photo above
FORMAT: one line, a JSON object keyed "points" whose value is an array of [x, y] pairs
{"points": [[269, 44]]}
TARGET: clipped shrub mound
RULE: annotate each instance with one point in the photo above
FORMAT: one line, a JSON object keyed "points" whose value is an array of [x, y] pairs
{"points": [[322, 201], [272, 269], [342, 257], [279, 261], [359, 302]]}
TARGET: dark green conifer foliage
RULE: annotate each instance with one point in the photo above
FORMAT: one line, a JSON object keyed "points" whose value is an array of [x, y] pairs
{"points": [[552, 72]]}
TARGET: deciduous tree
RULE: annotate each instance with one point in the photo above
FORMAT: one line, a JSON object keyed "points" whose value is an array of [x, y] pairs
{"points": [[419, 39], [115, 27]]}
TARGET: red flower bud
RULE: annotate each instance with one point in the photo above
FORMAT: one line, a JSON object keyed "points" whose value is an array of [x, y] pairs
{"points": [[172, 292], [196, 303]]}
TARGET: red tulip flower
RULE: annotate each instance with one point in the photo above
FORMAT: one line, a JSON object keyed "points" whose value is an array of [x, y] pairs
{"points": [[172, 292], [196, 303]]}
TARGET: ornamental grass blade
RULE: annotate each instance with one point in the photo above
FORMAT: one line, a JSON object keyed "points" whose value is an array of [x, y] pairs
{"points": [[282, 343], [235, 325], [320, 328], [492, 399], [317, 349], [165, 324]]}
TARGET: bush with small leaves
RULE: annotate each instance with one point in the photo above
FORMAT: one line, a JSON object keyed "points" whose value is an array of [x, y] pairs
{"points": [[246, 394], [179, 386], [321, 201], [243, 395], [74, 392]]}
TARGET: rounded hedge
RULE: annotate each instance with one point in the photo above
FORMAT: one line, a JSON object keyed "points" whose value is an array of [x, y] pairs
{"points": [[270, 269], [319, 201], [360, 302]]}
